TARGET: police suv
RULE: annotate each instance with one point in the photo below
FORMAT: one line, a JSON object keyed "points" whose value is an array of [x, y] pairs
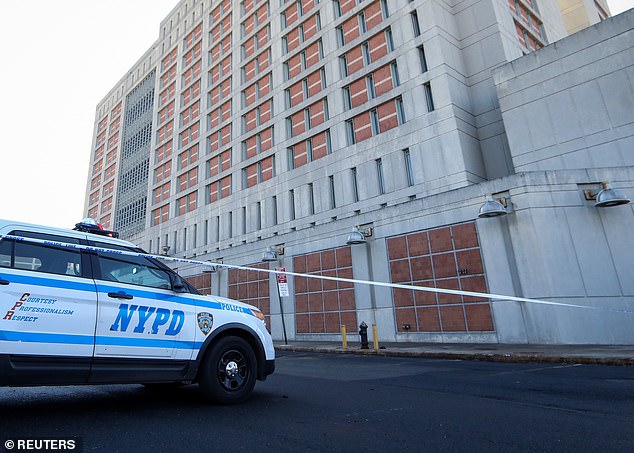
{"points": [[83, 307]]}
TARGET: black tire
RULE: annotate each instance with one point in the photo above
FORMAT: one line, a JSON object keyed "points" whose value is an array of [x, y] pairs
{"points": [[228, 371]]}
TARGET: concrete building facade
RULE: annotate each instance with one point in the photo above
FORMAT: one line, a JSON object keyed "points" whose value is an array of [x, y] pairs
{"points": [[286, 123]]}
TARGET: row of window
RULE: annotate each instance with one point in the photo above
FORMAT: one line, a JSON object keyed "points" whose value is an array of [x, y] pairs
{"points": [[223, 187], [375, 121]]}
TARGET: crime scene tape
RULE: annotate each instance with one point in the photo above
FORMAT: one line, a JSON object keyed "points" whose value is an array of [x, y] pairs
{"points": [[215, 266]]}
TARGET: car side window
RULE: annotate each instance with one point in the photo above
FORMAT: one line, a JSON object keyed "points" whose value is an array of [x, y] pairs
{"points": [[133, 270], [31, 256], [6, 250]]}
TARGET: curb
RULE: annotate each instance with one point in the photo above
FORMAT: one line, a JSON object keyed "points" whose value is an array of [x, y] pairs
{"points": [[487, 357]]}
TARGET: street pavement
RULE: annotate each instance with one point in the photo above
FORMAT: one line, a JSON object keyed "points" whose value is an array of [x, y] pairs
{"points": [[584, 354], [343, 403]]}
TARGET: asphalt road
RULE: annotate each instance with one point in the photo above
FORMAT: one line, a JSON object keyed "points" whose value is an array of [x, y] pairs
{"points": [[317, 402]]}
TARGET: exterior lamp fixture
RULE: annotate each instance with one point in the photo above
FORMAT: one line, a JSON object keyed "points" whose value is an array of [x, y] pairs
{"points": [[609, 197], [272, 253], [492, 208], [166, 249], [213, 268], [358, 235]]}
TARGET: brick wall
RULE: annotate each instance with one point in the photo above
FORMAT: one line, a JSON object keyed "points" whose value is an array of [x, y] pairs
{"points": [[448, 258], [322, 306], [252, 287]]}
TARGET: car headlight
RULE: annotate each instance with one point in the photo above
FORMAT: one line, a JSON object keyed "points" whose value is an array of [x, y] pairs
{"points": [[258, 314]]}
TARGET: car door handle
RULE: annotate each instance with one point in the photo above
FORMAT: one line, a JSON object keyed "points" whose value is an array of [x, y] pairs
{"points": [[4, 282], [120, 295]]}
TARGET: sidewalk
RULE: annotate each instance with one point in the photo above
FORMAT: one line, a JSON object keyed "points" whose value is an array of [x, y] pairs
{"points": [[586, 354]]}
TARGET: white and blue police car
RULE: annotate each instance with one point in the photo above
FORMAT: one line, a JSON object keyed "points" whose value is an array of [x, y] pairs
{"points": [[83, 307]]}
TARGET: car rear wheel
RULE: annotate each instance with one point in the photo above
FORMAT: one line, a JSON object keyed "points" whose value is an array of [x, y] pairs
{"points": [[228, 371]]}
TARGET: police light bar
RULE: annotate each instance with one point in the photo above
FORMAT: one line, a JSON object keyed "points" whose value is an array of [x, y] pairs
{"points": [[89, 225]]}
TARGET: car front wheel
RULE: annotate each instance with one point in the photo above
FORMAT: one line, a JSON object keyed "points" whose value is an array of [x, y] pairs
{"points": [[228, 371]]}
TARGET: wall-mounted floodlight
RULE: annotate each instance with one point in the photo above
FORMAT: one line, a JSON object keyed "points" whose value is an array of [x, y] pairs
{"points": [[608, 197], [358, 235], [492, 208], [272, 253]]}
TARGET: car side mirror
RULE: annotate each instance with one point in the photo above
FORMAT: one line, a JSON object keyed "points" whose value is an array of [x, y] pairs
{"points": [[178, 284]]}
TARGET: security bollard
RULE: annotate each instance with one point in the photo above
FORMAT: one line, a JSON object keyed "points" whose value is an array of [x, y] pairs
{"points": [[375, 335], [344, 337]]}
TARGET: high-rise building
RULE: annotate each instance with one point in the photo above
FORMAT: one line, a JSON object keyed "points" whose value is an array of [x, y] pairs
{"points": [[285, 123]]}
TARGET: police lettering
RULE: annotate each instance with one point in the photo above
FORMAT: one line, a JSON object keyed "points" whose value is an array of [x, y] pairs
{"points": [[230, 307], [18, 304], [24, 318], [176, 319]]}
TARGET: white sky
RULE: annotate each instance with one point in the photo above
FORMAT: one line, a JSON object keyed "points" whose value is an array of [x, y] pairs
{"points": [[60, 58]]}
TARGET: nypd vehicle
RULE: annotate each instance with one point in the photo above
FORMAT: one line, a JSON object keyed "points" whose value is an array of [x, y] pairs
{"points": [[83, 307]]}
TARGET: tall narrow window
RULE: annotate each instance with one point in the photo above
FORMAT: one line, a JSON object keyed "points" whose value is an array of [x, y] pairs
{"points": [[340, 36], [274, 210], [396, 80], [415, 24], [305, 88], [195, 236], [428, 97], [206, 235], [258, 215], [285, 70], [423, 59], [244, 178], [409, 172], [369, 83], [347, 100], [337, 6], [217, 228], [244, 220], [379, 175], [230, 224], [309, 150], [374, 118], [291, 158], [303, 59], [365, 48], [307, 121], [291, 203], [311, 198], [331, 185], [350, 132], [343, 66], [389, 39], [355, 184], [386, 12], [400, 111], [362, 24]]}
